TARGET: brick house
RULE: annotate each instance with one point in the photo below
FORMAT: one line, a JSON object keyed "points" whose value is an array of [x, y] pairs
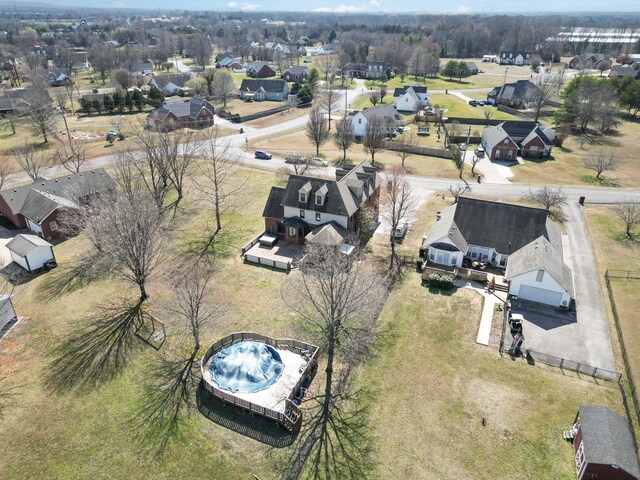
{"points": [[321, 211], [512, 138], [259, 70], [195, 113], [296, 74], [38, 206]]}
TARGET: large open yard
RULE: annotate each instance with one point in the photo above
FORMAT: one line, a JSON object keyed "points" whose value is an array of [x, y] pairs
{"points": [[565, 167], [430, 384]]}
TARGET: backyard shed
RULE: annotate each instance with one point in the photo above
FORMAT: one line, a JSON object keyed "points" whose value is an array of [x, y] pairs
{"points": [[603, 445], [7, 312], [30, 251]]}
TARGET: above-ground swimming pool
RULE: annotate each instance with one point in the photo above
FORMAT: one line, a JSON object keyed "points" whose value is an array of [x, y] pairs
{"points": [[247, 366]]}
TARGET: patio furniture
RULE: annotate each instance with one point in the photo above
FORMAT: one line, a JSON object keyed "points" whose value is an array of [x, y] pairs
{"points": [[267, 240]]}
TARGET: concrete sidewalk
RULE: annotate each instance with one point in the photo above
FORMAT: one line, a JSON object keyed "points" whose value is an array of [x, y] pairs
{"points": [[490, 301]]}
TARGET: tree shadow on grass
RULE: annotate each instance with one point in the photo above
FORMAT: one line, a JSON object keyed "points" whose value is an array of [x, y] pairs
{"points": [[170, 390], [601, 182], [69, 278], [96, 351], [256, 427]]}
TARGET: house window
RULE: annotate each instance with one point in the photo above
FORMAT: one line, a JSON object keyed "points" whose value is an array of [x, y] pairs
{"points": [[53, 226], [359, 120], [506, 142], [540, 275], [301, 213], [318, 199], [303, 197], [293, 231], [317, 216]]}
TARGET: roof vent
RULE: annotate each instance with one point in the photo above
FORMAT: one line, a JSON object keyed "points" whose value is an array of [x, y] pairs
{"points": [[42, 183], [56, 180], [15, 189]]}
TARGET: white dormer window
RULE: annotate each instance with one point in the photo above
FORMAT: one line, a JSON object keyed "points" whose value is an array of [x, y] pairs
{"points": [[303, 197], [540, 276]]}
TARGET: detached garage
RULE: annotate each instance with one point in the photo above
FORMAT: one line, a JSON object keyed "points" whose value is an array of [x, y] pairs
{"points": [[538, 273], [30, 251]]}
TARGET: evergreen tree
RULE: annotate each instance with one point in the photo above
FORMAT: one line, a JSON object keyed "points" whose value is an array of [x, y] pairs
{"points": [[450, 69]]}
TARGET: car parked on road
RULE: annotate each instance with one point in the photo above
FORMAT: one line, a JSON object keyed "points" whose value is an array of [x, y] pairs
{"points": [[473, 103], [263, 155], [319, 162]]}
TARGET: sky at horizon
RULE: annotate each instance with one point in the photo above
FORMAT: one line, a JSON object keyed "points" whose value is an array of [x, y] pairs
{"points": [[364, 6]]}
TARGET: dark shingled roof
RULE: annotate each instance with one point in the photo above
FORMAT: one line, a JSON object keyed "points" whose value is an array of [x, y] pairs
{"points": [[402, 90], [274, 207], [190, 108], [607, 439], [333, 202], [298, 70], [36, 198], [253, 85], [503, 226], [178, 79]]}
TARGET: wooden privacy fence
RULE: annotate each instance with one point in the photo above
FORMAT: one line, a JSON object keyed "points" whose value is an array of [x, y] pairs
{"points": [[416, 150], [292, 415], [628, 275]]}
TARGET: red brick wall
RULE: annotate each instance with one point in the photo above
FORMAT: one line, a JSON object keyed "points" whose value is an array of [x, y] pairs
{"points": [[18, 220], [595, 471], [534, 142], [46, 225], [504, 150], [271, 225]]}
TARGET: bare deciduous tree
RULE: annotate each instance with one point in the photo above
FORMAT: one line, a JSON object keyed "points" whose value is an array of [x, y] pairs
{"points": [[6, 169], [317, 129], [71, 153], [601, 162], [456, 191], [339, 298], [218, 168], [223, 87], [30, 159], [405, 145], [328, 100], [374, 137], [122, 78], [629, 213], [550, 198], [343, 137], [488, 113], [38, 111], [545, 91], [397, 206], [374, 97]]}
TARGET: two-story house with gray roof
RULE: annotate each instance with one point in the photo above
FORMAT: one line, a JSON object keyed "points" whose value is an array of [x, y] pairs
{"points": [[317, 210], [391, 119], [521, 239]]}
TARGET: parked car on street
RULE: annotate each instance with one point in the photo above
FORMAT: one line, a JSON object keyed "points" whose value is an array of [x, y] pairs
{"points": [[319, 162], [263, 155], [473, 103]]}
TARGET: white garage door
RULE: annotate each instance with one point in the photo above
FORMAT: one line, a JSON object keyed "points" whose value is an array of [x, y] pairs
{"points": [[540, 295]]}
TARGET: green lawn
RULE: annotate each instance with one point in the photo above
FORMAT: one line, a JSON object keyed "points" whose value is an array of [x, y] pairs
{"points": [[431, 384], [456, 107], [440, 83]]}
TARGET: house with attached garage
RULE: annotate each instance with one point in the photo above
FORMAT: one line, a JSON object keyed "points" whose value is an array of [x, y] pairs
{"points": [[514, 138], [194, 113], [259, 90], [38, 206], [171, 84], [510, 57], [522, 240], [519, 94], [410, 99], [590, 60], [391, 119], [321, 211], [369, 71]]}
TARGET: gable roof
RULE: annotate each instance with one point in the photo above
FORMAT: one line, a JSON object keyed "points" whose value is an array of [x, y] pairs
{"points": [[268, 85], [257, 66], [472, 65], [541, 254], [190, 108], [446, 227], [399, 91], [352, 187], [327, 234], [521, 89], [274, 207], [178, 79], [383, 111], [298, 70], [606, 438], [19, 199], [503, 226], [23, 243], [537, 131], [494, 134]]}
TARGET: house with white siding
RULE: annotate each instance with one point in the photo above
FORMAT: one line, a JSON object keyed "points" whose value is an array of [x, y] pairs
{"points": [[318, 210], [522, 240], [391, 119], [411, 98]]}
